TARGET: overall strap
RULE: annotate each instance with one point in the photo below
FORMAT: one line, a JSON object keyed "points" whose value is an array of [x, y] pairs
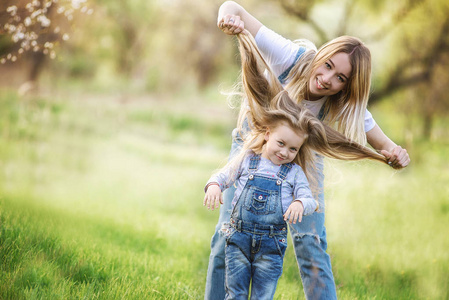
{"points": [[254, 162], [283, 171], [323, 112], [283, 77]]}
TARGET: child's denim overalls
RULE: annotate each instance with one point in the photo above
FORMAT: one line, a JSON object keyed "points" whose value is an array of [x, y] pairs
{"points": [[257, 239]]}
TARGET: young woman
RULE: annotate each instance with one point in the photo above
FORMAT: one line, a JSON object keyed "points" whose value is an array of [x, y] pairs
{"points": [[272, 187], [333, 83]]}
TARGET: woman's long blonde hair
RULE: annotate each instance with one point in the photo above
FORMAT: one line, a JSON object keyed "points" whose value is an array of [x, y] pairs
{"points": [[345, 111], [269, 105]]}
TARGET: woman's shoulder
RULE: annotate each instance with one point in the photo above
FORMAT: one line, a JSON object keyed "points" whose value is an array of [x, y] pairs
{"points": [[278, 51], [306, 44], [269, 35], [268, 39]]}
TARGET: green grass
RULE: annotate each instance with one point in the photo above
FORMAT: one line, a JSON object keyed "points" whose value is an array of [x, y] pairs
{"points": [[101, 199]]}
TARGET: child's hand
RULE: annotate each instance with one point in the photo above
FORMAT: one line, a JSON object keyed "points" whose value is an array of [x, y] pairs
{"points": [[294, 212], [213, 197]]}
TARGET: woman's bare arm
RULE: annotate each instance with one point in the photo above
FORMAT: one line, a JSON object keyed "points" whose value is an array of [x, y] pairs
{"points": [[397, 156], [233, 19]]}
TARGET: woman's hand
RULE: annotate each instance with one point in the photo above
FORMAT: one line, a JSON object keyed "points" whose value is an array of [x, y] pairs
{"points": [[213, 197], [233, 19], [294, 212], [398, 157], [231, 24]]}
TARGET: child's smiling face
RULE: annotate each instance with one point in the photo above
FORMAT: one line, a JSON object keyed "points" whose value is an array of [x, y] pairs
{"points": [[282, 145]]}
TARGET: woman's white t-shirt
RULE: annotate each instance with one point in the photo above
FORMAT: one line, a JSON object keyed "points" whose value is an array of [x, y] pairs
{"points": [[281, 54]]}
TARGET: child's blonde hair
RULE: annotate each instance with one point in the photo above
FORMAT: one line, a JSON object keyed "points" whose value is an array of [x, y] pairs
{"points": [[269, 105]]}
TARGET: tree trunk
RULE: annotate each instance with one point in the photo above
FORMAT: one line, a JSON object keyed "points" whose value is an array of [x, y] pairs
{"points": [[427, 125]]}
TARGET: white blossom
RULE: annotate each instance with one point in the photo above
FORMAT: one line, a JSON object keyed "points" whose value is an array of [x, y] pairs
{"points": [[27, 22], [45, 22], [18, 37], [12, 10]]}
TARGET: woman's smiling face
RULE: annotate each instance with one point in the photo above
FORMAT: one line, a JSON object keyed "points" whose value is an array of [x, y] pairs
{"points": [[331, 77]]}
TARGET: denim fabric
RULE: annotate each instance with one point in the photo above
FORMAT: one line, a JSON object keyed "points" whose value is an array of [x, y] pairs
{"points": [[264, 266], [283, 77], [256, 246], [309, 241], [215, 280]]}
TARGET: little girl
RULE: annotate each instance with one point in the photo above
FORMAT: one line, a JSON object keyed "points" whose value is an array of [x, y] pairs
{"points": [[257, 238], [271, 175]]}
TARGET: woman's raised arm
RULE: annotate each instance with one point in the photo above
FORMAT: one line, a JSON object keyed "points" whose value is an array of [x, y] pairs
{"points": [[233, 19]]}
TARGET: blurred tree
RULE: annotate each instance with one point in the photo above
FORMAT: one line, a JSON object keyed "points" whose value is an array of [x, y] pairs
{"points": [[417, 46], [169, 45], [134, 23], [195, 44], [34, 28], [429, 97]]}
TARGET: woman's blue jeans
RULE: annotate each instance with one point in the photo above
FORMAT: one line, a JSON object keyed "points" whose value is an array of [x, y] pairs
{"points": [[309, 242]]}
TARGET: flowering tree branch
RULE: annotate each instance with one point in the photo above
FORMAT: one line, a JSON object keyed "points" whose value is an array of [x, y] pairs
{"points": [[36, 25]]}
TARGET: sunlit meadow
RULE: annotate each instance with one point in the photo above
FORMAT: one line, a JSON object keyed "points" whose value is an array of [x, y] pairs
{"points": [[101, 198]]}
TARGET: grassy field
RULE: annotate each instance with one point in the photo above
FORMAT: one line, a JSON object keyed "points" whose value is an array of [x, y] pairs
{"points": [[100, 198]]}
